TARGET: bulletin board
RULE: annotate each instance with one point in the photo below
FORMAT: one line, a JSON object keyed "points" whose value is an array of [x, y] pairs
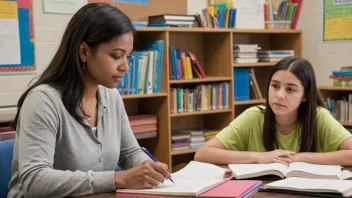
{"points": [[141, 11], [337, 20], [16, 36]]}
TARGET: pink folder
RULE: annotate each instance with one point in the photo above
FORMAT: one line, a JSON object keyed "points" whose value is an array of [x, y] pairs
{"points": [[233, 188]]}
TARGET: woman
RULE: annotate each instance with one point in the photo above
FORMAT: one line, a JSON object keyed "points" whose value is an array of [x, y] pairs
{"points": [[71, 126], [293, 125]]}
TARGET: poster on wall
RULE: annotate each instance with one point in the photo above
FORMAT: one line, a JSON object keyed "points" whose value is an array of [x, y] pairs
{"points": [[337, 20], [16, 36]]}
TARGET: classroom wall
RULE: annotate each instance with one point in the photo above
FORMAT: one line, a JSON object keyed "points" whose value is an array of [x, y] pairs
{"points": [[49, 28], [324, 56]]}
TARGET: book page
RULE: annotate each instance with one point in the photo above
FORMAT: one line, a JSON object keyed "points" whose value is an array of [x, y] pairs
{"points": [[314, 185], [201, 171], [346, 174], [244, 169], [195, 178], [316, 169], [180, 187]]}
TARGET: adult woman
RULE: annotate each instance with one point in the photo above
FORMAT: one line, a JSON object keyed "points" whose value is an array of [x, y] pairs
{"points": [[293, 125], [71, 126]]}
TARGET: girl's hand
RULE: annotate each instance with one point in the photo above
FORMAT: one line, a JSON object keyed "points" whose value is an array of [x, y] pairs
{"points": [[276, 156]]}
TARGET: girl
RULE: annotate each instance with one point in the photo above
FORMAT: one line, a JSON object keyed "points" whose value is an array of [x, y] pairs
{"points": [[71, 126], [293, 125]]}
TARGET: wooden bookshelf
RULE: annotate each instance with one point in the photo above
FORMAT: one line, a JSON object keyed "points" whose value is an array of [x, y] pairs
{"points": [[214, 50], [181, 152], [201, 80], [200, 112], [249, 102], [262, 64], [337, 93], [136, 96]]}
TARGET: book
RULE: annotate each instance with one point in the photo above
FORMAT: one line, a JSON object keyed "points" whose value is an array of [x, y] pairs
{"points": [[295, 169], [189, 181], [311, 186]]}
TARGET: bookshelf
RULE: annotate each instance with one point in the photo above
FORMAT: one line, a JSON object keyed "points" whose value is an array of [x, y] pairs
{"points": [[336, 92], [213, 49]]}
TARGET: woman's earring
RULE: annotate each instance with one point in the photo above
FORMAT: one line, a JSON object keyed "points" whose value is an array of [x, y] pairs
{"points": [[84, 65]]}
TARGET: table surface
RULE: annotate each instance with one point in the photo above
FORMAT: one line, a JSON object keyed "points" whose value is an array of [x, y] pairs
{"points": [[253, 195]]}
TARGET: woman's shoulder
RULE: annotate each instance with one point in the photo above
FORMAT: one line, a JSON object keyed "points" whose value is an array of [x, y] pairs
{"points": [[45, 90]]}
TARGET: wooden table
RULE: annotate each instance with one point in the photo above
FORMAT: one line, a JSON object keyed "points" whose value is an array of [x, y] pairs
{"points": [[253, 195]]}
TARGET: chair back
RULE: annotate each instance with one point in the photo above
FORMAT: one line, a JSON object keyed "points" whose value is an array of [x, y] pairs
{"points": [[6, 155]]}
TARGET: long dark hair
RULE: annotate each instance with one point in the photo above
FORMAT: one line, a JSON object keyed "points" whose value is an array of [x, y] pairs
{"points": [[307, 111], [94, 24]]}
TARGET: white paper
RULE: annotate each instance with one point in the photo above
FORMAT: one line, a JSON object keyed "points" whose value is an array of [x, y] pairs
{"points": [[10, 50], [346, 174], [63, 6], [342, 2], [249, 14]]}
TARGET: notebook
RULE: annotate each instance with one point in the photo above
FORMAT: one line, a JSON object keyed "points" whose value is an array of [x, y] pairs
{"points": [[311, 186], [295, 169], [197, 178]]}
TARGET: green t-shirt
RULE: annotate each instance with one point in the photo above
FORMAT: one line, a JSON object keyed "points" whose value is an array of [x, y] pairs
{"points": [[245, 133]]}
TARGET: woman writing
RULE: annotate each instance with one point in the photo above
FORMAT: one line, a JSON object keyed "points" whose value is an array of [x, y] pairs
{"points": [[293, 125], [71, 126]]}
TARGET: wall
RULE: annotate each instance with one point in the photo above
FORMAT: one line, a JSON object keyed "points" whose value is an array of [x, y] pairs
{"points": [[48, 29], [324, 56]]}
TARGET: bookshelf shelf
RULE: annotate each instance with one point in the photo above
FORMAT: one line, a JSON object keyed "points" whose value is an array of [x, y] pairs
{"points": [[335, 88], [261, 64], [206, 30], [201, 112], [346, 124], [135, 96], [268, 31], [181, 152], [249, 102], [201, 80]]}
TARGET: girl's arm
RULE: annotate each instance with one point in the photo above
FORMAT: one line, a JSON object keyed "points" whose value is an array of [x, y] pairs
{"points": [[214, 152], [343, 156]]}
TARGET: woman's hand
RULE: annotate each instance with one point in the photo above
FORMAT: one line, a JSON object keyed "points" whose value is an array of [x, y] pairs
{"points": [[146, 175], [276, 156]]}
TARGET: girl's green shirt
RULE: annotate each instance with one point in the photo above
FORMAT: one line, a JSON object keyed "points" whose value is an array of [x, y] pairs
{"points": [[245, 133]]}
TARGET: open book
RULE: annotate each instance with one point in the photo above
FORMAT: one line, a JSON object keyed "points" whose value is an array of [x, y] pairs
{"points": [[293, 184], [192, 180], [295, 169]]}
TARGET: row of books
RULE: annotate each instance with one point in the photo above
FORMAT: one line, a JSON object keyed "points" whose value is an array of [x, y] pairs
{"points": [[220, 15], [171, 20], [281, 11], [184, 65], [252, 53], [145, 69], [342, 77], [144, 126], [340, 109], [191, 138], [244, 79], [201, 98]]}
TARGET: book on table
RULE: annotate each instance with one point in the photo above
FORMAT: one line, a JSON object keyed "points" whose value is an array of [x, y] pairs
{"points": [[201, 180], [313, 187], [295, 169]]}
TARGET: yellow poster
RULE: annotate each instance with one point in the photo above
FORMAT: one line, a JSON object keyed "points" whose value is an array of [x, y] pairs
{"points": [[337, 24]]}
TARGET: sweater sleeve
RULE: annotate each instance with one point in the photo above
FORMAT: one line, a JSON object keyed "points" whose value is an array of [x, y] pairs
{"points": [[39, 123], [130, 155]]}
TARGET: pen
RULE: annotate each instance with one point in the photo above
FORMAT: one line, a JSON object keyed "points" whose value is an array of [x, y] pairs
{"points": [[151, 157]]}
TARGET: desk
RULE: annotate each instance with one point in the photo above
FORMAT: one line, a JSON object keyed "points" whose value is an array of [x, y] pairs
{"points": [[254, 195]]}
